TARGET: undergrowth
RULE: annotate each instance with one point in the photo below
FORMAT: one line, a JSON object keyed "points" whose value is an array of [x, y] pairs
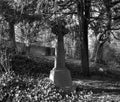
{"points": [[20, 88], [26, 84], [30, 89]]}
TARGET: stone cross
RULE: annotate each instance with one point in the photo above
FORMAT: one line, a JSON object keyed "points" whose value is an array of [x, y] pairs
{"points": [[60, 75]]}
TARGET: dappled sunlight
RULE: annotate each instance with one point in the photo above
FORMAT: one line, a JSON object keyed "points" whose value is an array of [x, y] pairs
{"points": [[59, 50], [23, 88]]}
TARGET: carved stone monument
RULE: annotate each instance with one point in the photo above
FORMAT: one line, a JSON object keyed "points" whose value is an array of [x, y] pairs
{"points": [[60, 75]]}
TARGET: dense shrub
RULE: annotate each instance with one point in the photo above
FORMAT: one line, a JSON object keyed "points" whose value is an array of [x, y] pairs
{"points": [[112, 58], [111, 54], [25, 65]]}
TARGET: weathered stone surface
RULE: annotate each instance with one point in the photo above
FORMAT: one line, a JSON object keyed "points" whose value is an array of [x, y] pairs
{"points": [[60, 75], [61, 78], [35, 50]]}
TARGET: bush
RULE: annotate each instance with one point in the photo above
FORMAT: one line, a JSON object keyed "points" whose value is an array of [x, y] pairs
{"points": [[111, 54], [25, 65]]}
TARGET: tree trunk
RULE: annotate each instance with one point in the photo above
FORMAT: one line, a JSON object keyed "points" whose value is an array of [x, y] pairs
{"points": [[99, 53], [77, 54], [12, 36], [94, 51], [83, 15]]}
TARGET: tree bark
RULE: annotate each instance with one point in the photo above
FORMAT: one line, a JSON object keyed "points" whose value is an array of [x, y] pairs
{"points": [[99, 53], [12, 36], [94, 51], [77, 54], [83, 15]]}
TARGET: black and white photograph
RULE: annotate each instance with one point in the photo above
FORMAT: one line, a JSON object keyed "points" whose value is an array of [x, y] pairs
{"points": [[59, 50]]}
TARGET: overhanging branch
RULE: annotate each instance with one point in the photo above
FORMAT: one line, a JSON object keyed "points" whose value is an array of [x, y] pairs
{"points": [[115, 36]]}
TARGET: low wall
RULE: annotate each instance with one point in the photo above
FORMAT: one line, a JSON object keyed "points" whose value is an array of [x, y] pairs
{"points": [[35, 50], [41, 50]]}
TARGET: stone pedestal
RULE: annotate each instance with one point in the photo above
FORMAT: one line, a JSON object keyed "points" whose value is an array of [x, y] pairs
{"points": [[61, 78]]}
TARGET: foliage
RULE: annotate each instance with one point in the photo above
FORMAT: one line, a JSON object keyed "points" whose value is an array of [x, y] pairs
{"points": [[48, 10], [25, 65], [18, 11], [6, 51], [34, 90], [29, 32], [30, 89], [35, 66]]}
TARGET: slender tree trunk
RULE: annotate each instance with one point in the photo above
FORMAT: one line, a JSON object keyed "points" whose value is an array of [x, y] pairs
{"points": [[94, 50], [99, 53], [77, 54], [12, 35], [2, 69]]}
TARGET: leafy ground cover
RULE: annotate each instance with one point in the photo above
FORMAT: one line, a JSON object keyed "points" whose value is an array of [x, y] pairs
{"points": [[30, 83], [15, 88]]}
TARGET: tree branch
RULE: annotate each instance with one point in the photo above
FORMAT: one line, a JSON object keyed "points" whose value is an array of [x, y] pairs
{"points": [[114, 3], [115, 36], [116, 18]]}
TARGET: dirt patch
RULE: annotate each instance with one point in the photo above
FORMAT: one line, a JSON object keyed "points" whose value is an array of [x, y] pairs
{"points": [[97, 86]]}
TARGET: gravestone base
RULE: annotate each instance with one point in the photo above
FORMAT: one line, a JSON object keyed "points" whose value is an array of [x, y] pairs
{"points": [[61, 78]]}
